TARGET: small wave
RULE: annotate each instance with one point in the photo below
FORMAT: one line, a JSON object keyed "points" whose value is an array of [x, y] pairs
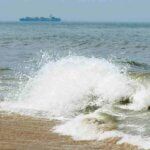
{"points": [[95, 127], [5, 69], [135, 63]]}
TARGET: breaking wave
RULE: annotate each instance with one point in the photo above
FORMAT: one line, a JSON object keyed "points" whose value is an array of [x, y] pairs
{"points": [[83, 92]]}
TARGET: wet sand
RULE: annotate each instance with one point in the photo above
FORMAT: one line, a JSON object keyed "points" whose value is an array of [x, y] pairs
{"points": [[26, 133]]}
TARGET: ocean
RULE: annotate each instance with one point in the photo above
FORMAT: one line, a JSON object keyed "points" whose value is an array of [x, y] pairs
{"points": [[93, 77]]}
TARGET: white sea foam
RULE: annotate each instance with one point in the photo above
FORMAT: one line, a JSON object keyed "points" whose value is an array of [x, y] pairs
{"points": [[66, 87], [86, 128]]}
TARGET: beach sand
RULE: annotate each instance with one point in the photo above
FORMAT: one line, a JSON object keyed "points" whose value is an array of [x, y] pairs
{"points": [[26, 133]]}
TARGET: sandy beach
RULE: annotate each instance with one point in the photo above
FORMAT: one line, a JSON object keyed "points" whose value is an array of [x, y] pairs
{"points": [[26, 133]]}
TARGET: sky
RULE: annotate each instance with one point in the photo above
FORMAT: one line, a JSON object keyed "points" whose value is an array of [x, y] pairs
{"points": [[78, 10]]}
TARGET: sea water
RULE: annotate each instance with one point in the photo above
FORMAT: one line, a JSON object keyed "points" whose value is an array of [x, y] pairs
{"points": [[93, 77]]}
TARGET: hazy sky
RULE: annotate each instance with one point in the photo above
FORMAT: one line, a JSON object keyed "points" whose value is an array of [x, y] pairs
{"points": [[78, 10]]}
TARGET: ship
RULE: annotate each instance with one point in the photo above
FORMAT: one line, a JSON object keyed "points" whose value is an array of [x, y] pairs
{"points": [[41, 19]]}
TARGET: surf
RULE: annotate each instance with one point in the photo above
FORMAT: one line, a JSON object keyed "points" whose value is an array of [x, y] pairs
{"points": [[89, 95]]}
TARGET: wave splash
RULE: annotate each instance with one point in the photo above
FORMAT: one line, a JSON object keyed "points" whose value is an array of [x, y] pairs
{"points": [[80, 90], [73, 83]]}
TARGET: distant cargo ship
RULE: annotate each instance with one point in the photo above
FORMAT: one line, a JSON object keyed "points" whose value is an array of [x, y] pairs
{"points": [[40, 19]]}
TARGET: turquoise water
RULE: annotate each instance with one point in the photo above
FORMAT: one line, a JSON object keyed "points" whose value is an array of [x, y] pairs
{"points": [[70, 69]]}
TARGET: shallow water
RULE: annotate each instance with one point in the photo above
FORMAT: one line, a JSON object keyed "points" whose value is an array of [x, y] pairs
{"points": [[95, 77]]}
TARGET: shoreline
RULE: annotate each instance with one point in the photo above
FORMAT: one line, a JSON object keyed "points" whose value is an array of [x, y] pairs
{"points": [[23, 132]]}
